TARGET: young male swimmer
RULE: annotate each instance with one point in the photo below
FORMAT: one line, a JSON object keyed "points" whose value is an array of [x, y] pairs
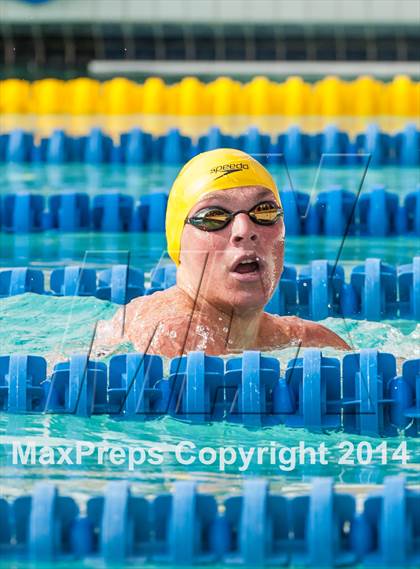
{"points": [[225, 232]]}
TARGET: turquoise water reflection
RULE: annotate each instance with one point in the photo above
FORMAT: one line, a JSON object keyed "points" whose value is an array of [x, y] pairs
{"points": [[62, 326], [95, 470], [58, 327], [142, 179], [145, 250]]}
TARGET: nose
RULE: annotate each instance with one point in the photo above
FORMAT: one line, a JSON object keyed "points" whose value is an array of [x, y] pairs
{"points": [[243, 229]]}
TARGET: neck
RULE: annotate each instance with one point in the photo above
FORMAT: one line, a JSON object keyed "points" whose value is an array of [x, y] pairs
{"points": [[237, 329]]}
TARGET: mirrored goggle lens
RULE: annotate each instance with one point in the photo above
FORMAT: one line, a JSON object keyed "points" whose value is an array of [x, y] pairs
{"points": [[266, 215], [211, 220]]}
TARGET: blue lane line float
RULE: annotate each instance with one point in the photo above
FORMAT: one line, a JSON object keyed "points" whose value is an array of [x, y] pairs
{"points": [[386, 533], [112, 212], [376, 290], [319, 519], [6, 525], [319, 287], [362, 395], [152, 211], [23, 213], [255, 143], [58, 148], [332, 212], [21, 383], [73, 281], [336, 208], [98, 147], [378, 212], [195, 390], [409, 289], [404, 392], [366, 393], [377, 144], [43, 524], [122, 522], [295, 206], [163, 277], [74, 212], [132, 385], [411, 212], [174, 148], [120, 284], [19, 146], [187, 527], [137, 147], [309, 395], [375, 286], [21, 280], [334, 147], [69, 212], [260, 523], [294, 146], [77, 387], [407, 145], [284, 299], [249, 383], [214, 139]]}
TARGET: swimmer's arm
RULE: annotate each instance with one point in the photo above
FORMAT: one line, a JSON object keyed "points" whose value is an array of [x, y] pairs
{"points": [[307, 334], [108, 334], [112, 332], [318, 336]]}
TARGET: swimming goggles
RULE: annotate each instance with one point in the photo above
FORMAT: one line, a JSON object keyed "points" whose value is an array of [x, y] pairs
{"points": [[215, 218]]}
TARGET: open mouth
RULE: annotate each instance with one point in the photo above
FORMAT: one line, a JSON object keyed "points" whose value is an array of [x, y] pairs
{"points": [[247, 266]]}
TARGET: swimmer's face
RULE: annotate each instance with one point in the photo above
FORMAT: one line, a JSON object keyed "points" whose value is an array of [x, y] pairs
{"points": [[240, 265]]}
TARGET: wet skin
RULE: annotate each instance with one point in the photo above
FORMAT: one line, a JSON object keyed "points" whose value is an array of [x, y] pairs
{"points": [[217, 304]]}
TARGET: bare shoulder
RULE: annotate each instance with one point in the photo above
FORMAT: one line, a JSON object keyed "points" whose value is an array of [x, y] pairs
{"points": [[159, 323], [120, 327], [151, 309], [292, 329]]}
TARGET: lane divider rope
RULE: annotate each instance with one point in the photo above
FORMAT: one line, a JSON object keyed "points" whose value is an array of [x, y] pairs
{"points": [[319, 528], [363, 394]]}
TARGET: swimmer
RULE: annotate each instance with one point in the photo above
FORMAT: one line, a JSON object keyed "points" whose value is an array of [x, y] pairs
{"points": [[226, 234]]}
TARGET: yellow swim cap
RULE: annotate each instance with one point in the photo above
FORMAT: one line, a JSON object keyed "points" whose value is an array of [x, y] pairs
{"points": [[220, 169]]}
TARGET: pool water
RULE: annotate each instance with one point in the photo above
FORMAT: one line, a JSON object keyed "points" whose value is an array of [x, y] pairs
{"points": [[60, 327], [63, 326], [94, 564], [57, 327], [143, 179], [52, 249]]}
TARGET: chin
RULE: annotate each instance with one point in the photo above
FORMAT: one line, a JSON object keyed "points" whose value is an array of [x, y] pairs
{"points": [[245, 301]]}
